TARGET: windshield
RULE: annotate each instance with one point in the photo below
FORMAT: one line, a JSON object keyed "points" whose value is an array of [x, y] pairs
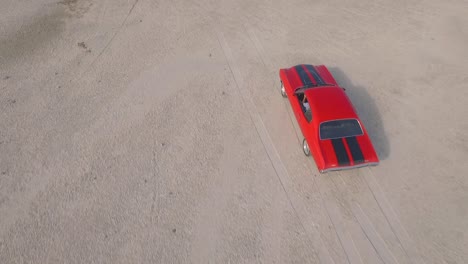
{"points": [[306, 87], [340, 129]]}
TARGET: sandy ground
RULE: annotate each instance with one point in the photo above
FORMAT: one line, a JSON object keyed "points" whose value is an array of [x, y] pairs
{"points": [[154, 132]]}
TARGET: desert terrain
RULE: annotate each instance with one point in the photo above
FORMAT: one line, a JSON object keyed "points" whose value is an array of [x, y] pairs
{"points": [[147, 131]]}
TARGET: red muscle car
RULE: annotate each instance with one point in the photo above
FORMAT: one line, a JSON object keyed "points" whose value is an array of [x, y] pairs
{"points": [[333, 132]]}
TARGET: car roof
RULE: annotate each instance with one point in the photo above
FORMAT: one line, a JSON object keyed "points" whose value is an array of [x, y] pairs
{"points": [[330, 103]]}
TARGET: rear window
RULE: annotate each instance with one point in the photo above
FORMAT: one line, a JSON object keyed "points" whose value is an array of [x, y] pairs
{"points": [[340, 129]]}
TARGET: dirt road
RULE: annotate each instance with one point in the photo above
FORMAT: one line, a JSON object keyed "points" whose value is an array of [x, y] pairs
{"points": [[138, 131]]}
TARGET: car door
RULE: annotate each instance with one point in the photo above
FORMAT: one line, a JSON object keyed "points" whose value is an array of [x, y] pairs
{"points": [[304, 116], [298, 109], [309, 129]]}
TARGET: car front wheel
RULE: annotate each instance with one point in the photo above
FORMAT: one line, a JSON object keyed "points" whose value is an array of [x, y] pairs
{"points": [[305, 147], [283, 90]]}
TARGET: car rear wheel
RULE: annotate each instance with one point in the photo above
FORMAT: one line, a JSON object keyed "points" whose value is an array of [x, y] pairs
{"points": [[305, 147], [283, 90]]}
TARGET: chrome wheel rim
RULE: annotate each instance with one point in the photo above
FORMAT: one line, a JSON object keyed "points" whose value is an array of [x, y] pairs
{"points": [[305, 147]]}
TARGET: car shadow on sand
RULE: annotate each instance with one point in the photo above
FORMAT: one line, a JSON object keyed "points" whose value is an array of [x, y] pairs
{"points": [[367, 110]]}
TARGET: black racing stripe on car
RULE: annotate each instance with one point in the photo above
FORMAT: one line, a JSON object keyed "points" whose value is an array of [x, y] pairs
{"points": [[355, 150], [303, 75], [316, 75], [340, 151]]}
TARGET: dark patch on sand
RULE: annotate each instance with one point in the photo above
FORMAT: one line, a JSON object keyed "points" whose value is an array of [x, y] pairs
{"points": [[76, 7], [32, 37]]}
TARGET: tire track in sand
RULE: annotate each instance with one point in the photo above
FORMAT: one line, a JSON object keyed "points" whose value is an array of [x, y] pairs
{"points": [[330, 206], [392, 219], [363, 222], [333, 211], [280, 170]]}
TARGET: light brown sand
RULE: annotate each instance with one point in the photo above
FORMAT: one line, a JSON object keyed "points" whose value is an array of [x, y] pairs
{"points": [[154, 132]]}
